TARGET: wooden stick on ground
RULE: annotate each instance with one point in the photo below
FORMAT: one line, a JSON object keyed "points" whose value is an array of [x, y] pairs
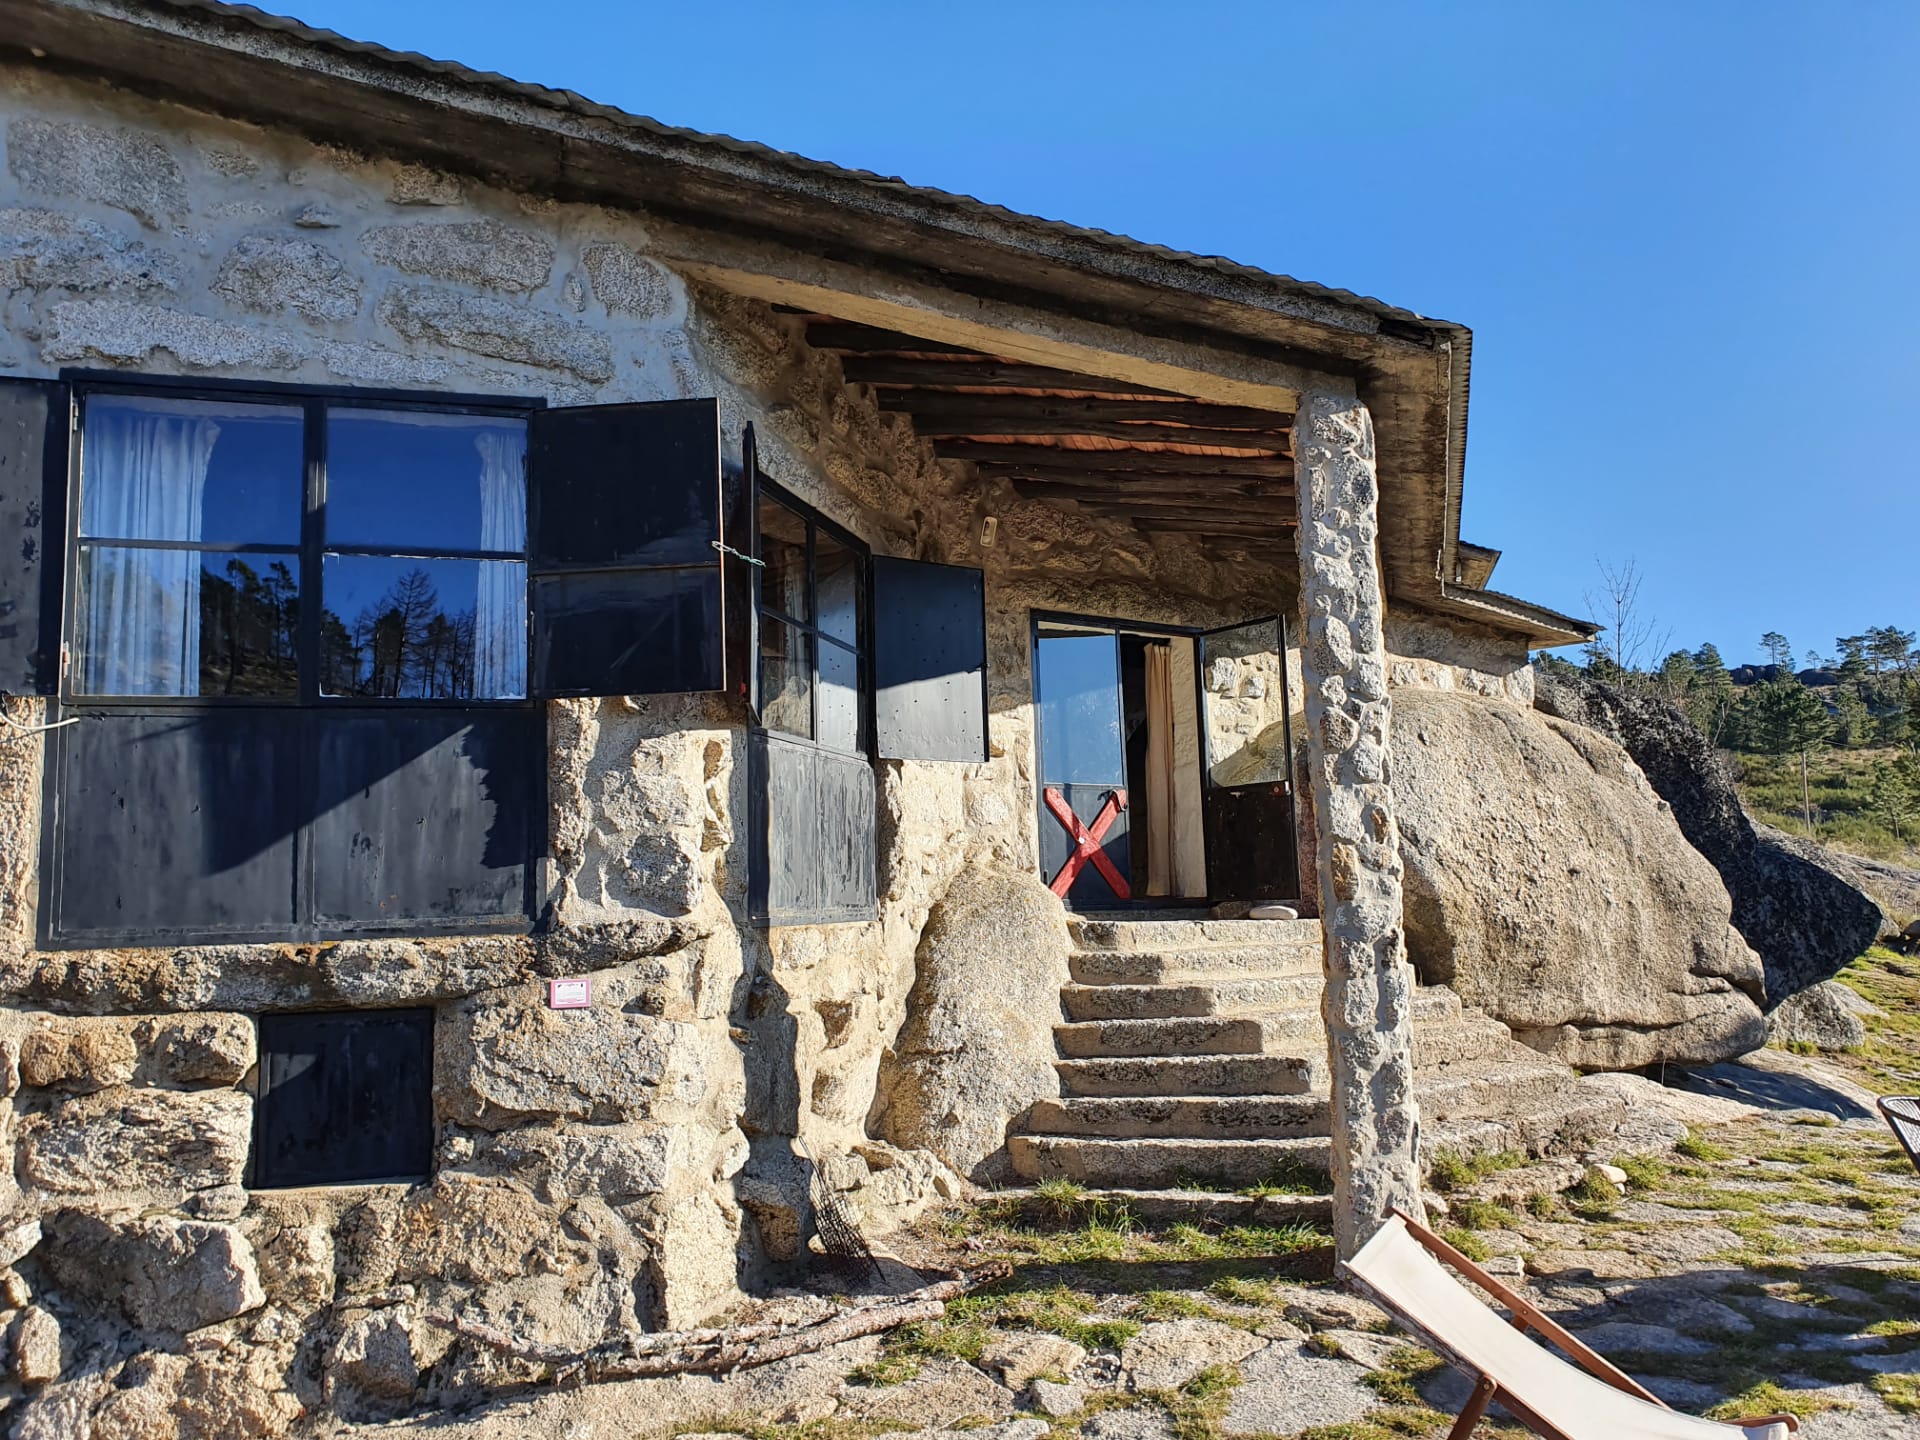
{"points": [[716, 1350]]}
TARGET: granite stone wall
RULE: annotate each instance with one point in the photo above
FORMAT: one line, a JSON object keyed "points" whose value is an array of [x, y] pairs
{"points": [[595, 1172]]}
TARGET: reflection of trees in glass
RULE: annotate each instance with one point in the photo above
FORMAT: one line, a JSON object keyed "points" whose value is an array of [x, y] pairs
{"points": [[249, 627], [403, 645]]}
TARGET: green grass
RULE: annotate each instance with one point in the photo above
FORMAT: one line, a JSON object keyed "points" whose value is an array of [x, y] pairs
{"points": [[1644, 1172], [1450, 1170], [1696, 1146], [1839, 782], [1467, 1243], [1595, 1196], [1482, 1215]]}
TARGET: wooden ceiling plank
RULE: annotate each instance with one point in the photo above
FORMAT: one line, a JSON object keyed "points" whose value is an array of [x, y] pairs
{"points": [[1083, 473], [973, 429], [883, 370], [848, 337], [945, 406], [1117, 462]]}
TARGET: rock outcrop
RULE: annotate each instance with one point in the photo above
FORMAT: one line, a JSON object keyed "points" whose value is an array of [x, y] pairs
{"points": [[1548, 885], [1793, 902], [977, 1049], [1827, 1016]]}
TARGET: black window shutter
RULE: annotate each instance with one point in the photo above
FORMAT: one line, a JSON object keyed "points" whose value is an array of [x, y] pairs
{"points": [[929, 661], [34, 422], [344, 1097], [624, 520]]}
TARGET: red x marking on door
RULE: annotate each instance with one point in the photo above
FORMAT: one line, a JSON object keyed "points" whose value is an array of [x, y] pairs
{"points": [[1086, 843]]}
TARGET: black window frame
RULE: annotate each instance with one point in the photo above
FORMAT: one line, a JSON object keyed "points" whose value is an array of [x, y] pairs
{"points": [[309, 708], [315, 401], [766, 491]]}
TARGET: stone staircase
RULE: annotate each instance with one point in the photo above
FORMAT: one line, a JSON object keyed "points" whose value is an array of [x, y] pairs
{"points": [[1193, 1054]]}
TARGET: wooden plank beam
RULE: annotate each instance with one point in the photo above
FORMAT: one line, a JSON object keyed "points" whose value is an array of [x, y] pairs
{"points": [[845, 335], [1138, 493], [1274, 442], [1083, 473], [1247, 517], [943, 406], [1114, 462], [882, 370], [1279, 530]]}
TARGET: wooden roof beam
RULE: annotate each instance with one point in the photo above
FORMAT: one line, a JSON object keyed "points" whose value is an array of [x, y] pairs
{"points": [[883, 370], [1011, 459], [941, 407]]}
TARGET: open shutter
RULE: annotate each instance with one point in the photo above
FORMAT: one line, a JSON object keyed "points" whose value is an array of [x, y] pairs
{"points": [[34, 416], [623, 517], [929, 661]]}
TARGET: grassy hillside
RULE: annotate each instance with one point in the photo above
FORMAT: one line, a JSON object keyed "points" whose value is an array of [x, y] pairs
{"points": [[1840, 780]]}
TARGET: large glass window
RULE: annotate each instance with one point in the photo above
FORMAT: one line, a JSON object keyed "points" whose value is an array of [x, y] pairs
{"points": [[812, 600], [281, 551]]}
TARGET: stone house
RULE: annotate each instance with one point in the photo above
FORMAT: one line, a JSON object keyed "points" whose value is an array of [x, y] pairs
{"points": [[559, 672]]}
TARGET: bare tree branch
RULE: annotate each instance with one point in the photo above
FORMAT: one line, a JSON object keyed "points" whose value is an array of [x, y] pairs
{"points": [[735, 1347]]}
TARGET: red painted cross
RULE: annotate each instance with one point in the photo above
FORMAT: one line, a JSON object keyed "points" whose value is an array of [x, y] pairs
{"points": [[1086, 843]]}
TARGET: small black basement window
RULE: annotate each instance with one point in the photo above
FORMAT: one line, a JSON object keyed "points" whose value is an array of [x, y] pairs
{"points": [[345, 1098]]}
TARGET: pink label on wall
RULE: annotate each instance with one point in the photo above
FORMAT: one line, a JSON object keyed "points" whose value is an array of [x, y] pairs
{"points": [[569, 994]]}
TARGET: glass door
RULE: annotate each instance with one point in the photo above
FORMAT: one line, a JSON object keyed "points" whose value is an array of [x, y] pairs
{"points": [[1084, 850], [1248, 731]]}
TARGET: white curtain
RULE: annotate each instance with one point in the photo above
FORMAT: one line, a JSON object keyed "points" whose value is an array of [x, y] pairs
{"points": [[145, 477], [500, 605]]}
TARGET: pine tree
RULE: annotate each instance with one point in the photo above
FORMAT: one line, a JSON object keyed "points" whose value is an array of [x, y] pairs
{"points": [[1895, 796], [1788, 720]]}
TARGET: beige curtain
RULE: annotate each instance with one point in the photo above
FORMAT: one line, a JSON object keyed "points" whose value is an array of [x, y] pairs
{"points": [[1159, 769]]}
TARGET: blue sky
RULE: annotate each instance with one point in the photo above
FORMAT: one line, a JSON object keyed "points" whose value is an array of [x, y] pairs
{"points": [[1685, 235]]}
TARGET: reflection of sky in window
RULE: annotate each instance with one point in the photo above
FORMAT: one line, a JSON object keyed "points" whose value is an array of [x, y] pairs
{"points": [[252, 492], [1079, 689], [398, 479]]}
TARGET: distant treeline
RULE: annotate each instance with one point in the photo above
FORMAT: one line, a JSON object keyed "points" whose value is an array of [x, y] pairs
{"points": [[1865, 696]]}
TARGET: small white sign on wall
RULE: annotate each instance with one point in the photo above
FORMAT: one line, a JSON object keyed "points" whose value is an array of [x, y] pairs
{"points": [[571, 994]]}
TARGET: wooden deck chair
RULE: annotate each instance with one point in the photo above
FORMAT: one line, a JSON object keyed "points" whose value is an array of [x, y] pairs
{"points": [[1401, 1267], [1902, 1114]]}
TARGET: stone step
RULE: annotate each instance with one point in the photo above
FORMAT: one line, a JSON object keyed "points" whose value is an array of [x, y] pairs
{"points": [[1236, 1034], [1495, 1091], [1184, 1116], [1193, 1075], [1199, 963], [1469, 1038], [1236, 996], [1149, 1163], [1168, 1207], [1186, 1035], [1103, 932], [1569, 1125]]}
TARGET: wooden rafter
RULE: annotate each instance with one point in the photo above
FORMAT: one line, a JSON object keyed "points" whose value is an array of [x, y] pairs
{"points": [[1167, 462], [982, 371], [1114, 462], [945, 407]]}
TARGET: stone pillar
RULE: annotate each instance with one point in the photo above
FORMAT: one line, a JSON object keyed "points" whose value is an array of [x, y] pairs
{"points": [[1367, 1004]]}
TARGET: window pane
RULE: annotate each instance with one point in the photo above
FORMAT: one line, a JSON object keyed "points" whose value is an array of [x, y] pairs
{"points": [[836, 572], [839, 697], [783, 545], [212, 471], [431, 481], [786, 678], [397, 628], [1077, 682], [186, 622]]}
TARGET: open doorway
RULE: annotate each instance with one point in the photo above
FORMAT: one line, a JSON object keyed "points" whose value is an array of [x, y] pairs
{"points": [[1164, 777]]}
